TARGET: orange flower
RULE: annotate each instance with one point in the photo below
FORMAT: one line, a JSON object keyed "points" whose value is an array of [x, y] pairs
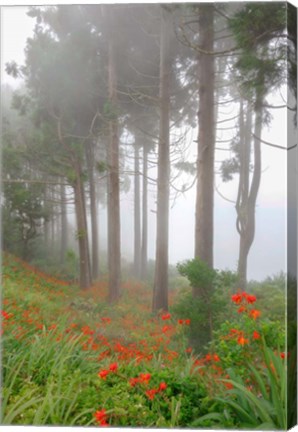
{"points": [[254, 313], [251, 299], [216, 358], [151, 393], [162, 386], [134, 381], [166, 316], [241, 309], [103, 374], [145, 377], [256, 335], [242, 340], [187, 321], [113, 367], [236, 298]]}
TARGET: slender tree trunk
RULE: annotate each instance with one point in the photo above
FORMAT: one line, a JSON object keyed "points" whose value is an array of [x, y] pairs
{"points": [[160, 293], [246, 211], [137, 214], [114, 186], [206, 141], [82, 232], [64, 227], [93, 211], [144, 216]]}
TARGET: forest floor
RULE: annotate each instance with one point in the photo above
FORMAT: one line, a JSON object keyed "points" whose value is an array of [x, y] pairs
{"points": [[71, 358]]}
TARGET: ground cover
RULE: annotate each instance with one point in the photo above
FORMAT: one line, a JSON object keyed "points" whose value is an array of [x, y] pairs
{"points": [[70, 358]]}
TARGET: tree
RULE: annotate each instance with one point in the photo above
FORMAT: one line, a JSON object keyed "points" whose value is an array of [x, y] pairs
{"points": [[160, 293], [206, 139]]}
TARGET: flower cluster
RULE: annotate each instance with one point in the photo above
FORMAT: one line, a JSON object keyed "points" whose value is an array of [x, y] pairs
{"points": [[105, 372], [101, 417]]}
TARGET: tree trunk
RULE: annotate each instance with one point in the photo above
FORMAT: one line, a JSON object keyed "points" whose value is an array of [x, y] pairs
{"points": [[160, 293], [64, 227], [114, 264], [246, 209], [206, 141], [82, 232], [93, 211], [137, 214], [144, 216]]}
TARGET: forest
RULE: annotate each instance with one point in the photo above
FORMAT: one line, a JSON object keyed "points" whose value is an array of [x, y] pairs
{"points": [[122, 115]]}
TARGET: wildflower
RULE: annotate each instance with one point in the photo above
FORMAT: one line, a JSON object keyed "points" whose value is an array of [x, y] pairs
{"points": [[241, 309], [188, 350], [254, 313], [180, 321], [5, 314], [103, 374], [256, 335], [283, 355], [216, 358], [251, 299], [187, 321], [145, 377], [208, 357], [113, 367], [237, 298], [166, 316], [100, 415], [151, 393], [162, 386], [242, 340], [166, 328], [134, 381]]}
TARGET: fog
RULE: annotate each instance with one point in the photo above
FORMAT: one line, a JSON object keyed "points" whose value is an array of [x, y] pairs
{"points": [[268, 252]]}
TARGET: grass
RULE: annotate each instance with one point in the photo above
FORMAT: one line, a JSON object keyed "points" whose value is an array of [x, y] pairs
{"points": [[71, 359]]}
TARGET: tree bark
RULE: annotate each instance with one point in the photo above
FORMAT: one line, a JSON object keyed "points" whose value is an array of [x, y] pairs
{"points": [[206, 141], [82, 232], [93, 211], [137, 214], [64, 227], [144, 216], [160, 293], [114, 264], [246, 202]]}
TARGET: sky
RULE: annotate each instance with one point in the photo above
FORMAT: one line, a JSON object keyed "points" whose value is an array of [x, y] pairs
{"points": [[268, 253]]}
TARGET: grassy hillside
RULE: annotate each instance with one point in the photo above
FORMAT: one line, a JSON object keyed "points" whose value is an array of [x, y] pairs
{"points": [[69, 358]]}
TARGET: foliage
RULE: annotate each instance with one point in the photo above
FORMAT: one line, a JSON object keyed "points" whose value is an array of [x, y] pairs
{"points": [[188, 306]]}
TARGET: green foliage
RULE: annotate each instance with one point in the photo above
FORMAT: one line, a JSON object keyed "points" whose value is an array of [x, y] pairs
{"points": [[196, 308], [199, 274]]}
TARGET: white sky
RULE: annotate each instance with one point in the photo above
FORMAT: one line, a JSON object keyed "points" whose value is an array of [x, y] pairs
{"points": [[267, 255]]}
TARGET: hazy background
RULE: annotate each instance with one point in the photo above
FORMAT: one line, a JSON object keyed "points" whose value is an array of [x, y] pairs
{"points": [[268, 253]]}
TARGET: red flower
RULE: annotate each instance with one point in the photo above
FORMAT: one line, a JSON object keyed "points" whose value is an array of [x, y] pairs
{"points": [[241, 309], [254, 313], [166, 316], [103, 374], [113, 367], [251, 299], [256, 335], [151, 393], [187, 322], [145, 377], [216, 358], [237, 298], [208, 357], [134, 381], [162, 386], [180, 321], [100, 415], [6, 315]]}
